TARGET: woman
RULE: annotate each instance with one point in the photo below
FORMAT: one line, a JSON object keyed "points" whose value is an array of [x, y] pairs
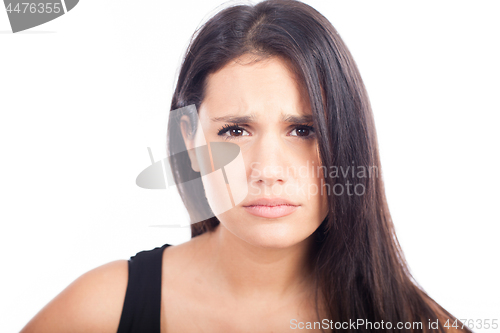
{"points": [[309, 250]]}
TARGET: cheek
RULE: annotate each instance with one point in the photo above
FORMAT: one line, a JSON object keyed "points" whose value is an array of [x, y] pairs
{"points": [[227, 186], [316, 188], [217, 192]]}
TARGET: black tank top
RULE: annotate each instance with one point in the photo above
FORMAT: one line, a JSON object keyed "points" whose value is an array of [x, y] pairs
{"points": [[141, 308]]}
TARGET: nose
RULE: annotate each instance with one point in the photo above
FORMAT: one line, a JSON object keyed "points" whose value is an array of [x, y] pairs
{"points": [[269, 162]]}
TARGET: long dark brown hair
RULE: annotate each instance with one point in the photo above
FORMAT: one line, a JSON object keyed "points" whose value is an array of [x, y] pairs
{"points": [[359, 268]]}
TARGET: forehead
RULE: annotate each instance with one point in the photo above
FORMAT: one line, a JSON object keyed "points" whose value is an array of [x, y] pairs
{"points": [[262, 86]]}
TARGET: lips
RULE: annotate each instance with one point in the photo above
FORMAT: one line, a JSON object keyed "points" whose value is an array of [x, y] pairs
{"points": [[271, 207], [270, 202]]}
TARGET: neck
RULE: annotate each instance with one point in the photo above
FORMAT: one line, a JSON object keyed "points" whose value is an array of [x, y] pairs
{"points": [[253, 271]]}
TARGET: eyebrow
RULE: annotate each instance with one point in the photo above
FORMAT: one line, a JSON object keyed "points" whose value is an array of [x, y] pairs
{"points": [[233, 119]]}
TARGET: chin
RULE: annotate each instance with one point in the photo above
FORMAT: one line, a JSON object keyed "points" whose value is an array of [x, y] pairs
{"points": [[272, 233]]}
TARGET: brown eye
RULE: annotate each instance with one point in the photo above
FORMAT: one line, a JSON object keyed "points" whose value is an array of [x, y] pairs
{"points": [[231, 131], [303, 132], [236, 131]]}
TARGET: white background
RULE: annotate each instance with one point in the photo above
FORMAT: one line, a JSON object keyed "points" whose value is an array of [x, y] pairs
{"points": [[83, 96]]}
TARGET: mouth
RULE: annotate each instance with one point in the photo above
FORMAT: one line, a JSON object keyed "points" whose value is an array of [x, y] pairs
{"points": [[271, 212]]}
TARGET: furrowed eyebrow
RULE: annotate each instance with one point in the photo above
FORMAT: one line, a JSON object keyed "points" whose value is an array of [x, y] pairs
{"points": [[297, 119], [233, 119]]}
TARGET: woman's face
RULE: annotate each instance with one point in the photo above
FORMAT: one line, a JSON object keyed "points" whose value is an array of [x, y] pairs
{"points": [[279, 149]]}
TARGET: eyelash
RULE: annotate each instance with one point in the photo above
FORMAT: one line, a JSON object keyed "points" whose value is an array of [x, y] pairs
{"points": [[226, 128]]}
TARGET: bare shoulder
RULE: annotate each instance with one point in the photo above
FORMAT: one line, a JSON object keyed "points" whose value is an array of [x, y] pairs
{"points": [[186, 291], [183, 266], [91, 303]]}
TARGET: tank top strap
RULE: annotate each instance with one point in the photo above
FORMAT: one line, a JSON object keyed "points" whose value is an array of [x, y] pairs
{"points": [[141, 308]]}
